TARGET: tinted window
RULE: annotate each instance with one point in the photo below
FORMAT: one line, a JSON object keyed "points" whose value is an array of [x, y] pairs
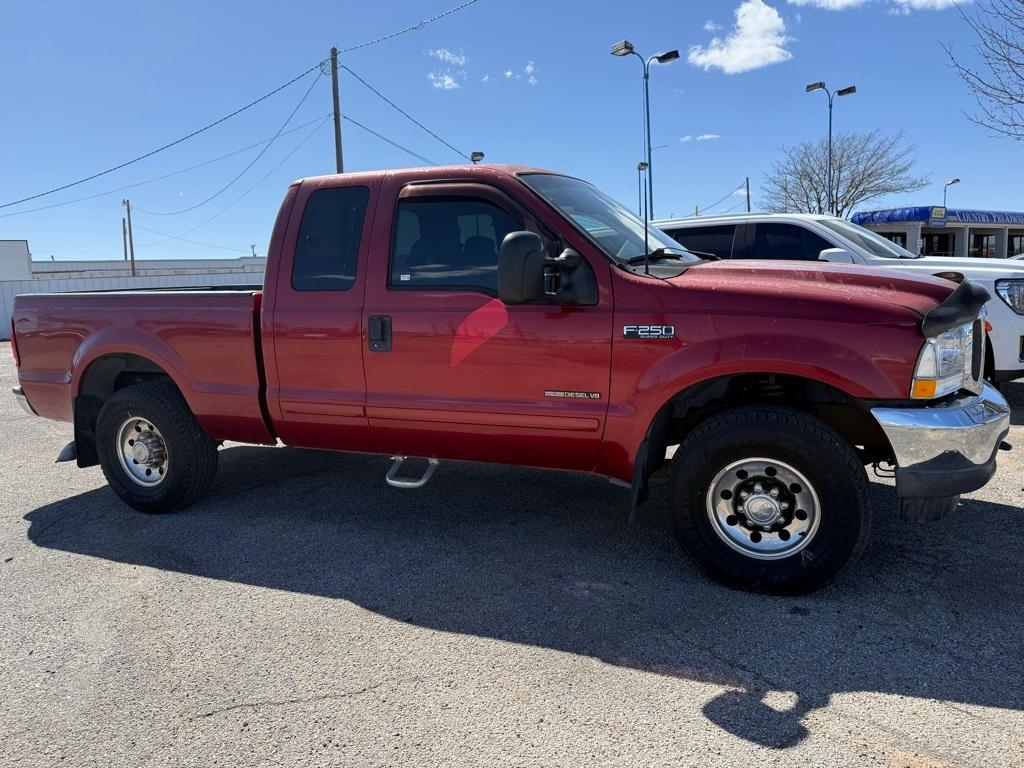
{"points": [[788, 241], [716, 240], [328, 246], [448, 244]]}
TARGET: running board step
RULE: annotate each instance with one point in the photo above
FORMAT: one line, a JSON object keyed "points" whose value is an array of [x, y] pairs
{"points": [[395, 481]]}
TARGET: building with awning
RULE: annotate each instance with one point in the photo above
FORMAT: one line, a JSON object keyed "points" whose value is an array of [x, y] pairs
{"points": [[938, 231]]}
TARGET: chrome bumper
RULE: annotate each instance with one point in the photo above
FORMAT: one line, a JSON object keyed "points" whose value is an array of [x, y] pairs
{"points": [[948, 448], [19, 395]]}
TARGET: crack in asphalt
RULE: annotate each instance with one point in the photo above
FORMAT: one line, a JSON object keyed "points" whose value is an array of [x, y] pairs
{"points": [[258, 705]]}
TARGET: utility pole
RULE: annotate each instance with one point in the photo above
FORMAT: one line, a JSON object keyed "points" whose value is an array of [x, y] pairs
{"points": [[337, 111], [253, 246], [696, 210], [748, 193], [124, 237], [131, 240]]}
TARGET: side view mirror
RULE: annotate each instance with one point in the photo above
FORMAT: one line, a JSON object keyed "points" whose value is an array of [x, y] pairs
{"points": [[527, 275], [836, 255]]}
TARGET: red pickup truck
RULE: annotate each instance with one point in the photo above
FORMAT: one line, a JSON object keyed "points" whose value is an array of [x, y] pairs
{"points": [[507, 314]]}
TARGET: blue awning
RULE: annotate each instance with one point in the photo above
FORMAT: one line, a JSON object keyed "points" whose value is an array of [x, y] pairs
{"points": [[925, 215]]}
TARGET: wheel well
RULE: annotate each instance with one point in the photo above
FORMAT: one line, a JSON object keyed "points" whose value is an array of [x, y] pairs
{"points": [[845, 414], [103, 378]]}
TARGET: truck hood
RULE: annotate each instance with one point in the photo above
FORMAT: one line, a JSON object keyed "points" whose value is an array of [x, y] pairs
{"points": [[862, 291]]}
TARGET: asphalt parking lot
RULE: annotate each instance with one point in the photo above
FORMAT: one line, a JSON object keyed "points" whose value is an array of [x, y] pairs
{"points": [[307, 614]]}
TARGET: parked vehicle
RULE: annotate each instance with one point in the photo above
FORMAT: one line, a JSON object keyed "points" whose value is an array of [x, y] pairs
{"points": [[511, 315], [807, 237]]}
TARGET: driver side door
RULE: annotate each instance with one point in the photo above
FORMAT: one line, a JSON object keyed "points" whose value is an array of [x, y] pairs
{"points": [[462, 375]]}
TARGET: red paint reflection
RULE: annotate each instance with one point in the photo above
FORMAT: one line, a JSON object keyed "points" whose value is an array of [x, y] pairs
{"points": [[478, 326]]}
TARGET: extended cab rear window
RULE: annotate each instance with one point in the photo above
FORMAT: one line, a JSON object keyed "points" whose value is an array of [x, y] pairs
{"points": [[328, 246]]}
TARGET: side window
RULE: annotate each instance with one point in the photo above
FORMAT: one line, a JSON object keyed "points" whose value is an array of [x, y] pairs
{"points": [[717, 240], [448, 243], [328, 246], [787, 241]]}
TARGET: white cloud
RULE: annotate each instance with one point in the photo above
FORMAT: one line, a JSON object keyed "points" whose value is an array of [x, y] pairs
{"points": [[710, 26], [529, 69], [686, 138], [757, 39], [485, 79], [508, 73], [444, 81], [708, 137], [448, 56]]}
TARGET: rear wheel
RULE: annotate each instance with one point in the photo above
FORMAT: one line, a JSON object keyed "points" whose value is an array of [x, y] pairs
{"points": [[769, 499], [154, 454]]}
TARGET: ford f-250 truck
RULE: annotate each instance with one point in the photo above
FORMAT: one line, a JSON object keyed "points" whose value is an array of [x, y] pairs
{"points": [[506, 314]]}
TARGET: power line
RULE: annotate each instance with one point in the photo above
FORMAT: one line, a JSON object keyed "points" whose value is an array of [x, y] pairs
{"points": [[262, 152], [389, 141], [164, 176], [174, 143], [193, 242], [401, 111], [250, 189], [420, 25], [723, 198]]}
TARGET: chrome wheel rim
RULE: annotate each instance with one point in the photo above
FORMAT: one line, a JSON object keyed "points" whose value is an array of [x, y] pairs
{"points": [[142, 451], [763, 508]]}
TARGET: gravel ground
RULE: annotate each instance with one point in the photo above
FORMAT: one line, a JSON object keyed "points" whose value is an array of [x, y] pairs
{"points": [[307, 614]]}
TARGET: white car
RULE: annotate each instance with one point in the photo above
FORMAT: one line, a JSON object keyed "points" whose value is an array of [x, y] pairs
{"points": [[808, 237]]}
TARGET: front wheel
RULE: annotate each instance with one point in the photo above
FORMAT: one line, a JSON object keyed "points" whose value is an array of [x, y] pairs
{"points": [[153, 452], [769, 499]]}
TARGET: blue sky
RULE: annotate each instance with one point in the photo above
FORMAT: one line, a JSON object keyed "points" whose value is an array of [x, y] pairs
{"points": [[86, 86]]}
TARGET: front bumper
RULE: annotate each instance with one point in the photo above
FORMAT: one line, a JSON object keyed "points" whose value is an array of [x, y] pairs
{"points": [[949, 448], [19, 395]]}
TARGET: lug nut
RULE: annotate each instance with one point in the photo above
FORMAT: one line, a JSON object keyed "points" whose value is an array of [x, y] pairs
{"points": [[774, 492], [758, 488], [743, 494]]}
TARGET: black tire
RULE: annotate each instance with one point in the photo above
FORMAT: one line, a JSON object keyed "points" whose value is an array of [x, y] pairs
{"points": [[828, 462], [191, 455]]}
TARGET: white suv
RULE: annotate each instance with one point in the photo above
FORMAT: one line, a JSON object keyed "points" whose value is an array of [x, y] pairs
{"points": [[807, 237]]}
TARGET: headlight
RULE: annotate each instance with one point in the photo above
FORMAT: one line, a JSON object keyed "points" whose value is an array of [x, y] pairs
{"points": [[1012, 292], [945, 363]]}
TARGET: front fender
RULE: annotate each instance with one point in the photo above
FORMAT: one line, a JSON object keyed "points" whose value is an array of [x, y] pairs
{"points": [[877, 367]]}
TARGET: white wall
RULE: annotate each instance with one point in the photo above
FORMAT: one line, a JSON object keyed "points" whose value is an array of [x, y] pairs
{"points": [[11, 288], [15, 261]]}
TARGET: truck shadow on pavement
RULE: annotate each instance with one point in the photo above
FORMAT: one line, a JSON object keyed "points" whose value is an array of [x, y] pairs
{"points": [[548, 560]]}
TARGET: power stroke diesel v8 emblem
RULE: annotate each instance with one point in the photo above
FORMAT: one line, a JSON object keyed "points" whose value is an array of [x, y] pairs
{"points": [[648, 331]]}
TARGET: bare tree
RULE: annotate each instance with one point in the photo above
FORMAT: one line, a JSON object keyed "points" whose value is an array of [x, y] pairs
{"points": [[998, 82], [864, 166]]}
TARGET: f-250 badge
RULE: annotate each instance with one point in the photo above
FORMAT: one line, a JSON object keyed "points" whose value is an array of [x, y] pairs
{"points": [[648, 331]]}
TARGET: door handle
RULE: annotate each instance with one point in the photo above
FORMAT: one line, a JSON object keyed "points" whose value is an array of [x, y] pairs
{"points": [[379, 332]]}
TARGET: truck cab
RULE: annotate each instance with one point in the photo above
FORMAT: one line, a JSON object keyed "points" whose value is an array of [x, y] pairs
{"points": [[519, 316]]}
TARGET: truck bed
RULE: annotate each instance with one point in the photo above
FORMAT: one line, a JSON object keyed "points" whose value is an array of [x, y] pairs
{"points": [[206, 340]]}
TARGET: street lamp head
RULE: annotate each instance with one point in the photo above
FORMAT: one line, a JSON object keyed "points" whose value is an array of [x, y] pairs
{"points": [[666, 57], [952, 182], [642, 166], [846, 91], [622, 48], [818, 86], [476, 157]]}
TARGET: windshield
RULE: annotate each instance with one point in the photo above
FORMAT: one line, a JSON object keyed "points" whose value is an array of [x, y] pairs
{"points": [[613, 229], [870, 241]]}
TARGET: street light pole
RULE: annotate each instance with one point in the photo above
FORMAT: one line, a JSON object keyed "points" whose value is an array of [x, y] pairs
{"points": [[625, 48], [820, 86], [948, 184]]}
